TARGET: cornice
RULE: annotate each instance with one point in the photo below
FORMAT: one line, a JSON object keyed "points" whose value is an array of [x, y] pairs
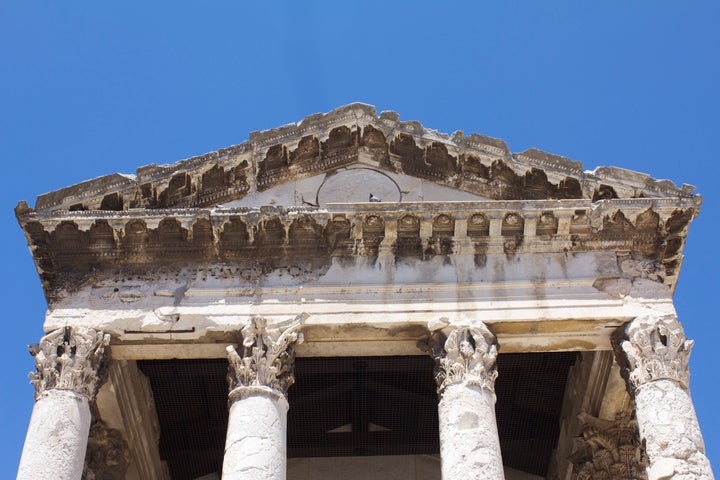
{"points": [[63, 242], [322, 143]]}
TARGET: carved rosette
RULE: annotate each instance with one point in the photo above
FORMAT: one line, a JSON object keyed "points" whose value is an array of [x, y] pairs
{"points": [[70, 359], [267, 356], [609, 450], [656, 349], [464, 355], [107, 455], [633, 267]]}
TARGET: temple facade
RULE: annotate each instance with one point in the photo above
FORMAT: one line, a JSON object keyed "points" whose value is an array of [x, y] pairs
{"points": [[355, 296]]}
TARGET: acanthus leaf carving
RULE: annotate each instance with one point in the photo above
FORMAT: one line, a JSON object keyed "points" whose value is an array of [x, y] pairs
{"points": [[267, 355], [609, 450], [656, 349], [466, 354], [107, 456], [70, 358]]}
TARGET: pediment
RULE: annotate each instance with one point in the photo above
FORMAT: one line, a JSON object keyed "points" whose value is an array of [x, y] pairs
{"points": [[324, 154]]}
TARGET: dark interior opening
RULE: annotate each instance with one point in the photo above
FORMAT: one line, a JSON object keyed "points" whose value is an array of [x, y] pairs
{"points": [[348, 406]]}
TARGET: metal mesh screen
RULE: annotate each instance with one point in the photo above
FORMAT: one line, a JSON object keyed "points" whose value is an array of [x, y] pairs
{"points": [[191, 402], [349, 406], [363, 406], [530, 389]]}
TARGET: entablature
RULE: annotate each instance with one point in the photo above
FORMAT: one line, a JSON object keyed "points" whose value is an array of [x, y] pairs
{"points": [[67, 245]]}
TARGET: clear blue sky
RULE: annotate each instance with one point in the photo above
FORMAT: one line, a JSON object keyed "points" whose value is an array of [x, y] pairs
{"points": [[88, 89]]}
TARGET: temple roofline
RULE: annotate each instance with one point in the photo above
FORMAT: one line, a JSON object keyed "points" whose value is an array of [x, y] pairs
{"points": [[322, 143]]}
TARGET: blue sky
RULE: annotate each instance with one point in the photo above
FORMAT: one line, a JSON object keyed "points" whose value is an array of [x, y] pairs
{"points": [[88, 89]]}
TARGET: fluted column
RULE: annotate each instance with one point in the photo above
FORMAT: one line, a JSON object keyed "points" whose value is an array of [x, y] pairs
{"points": [[656, 352], [465, 373], [259, 377], [68, 362]]}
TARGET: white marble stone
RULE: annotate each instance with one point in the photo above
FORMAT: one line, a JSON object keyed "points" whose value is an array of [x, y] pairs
{"points": [[657, 354], [57, 437], [255, 446], [469, 444], [668, 425]]}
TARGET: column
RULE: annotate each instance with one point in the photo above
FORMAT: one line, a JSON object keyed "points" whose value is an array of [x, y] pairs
{"points": [[657, 353], [259, 377], [68, 362], [465, 373]]}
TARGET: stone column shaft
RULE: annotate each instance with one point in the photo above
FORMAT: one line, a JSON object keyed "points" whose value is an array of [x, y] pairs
{"points": [[57, 437], [255, 445], [68, 362], [469, 445], [465, 373], [657, 354], [669, 426]]}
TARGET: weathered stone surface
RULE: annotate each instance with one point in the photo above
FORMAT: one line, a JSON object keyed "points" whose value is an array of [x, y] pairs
{"points": [[346, 136], [469, 444], [464, 355], [69, 359], [125, 403], [390, 467], [107, 455], [174, 261], [656, 349], [267, 356], [657, 353], [465, 374], [69, 364], [57, 436], [609, 450], [670, 432], [69, 246], [255, 445]]}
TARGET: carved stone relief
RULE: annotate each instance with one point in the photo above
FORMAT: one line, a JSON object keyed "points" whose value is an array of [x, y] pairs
{"points": [[655, 349], [70, 359], [464, 355], [637, 267], [478, 225], [107, 455], [656, 353], [547, 224], [266, 355], [609, 450]]}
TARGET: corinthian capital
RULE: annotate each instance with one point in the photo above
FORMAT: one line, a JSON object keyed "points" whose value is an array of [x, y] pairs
{"points": [[267, 355], [70, 359], [463, 354], [656, 348]]}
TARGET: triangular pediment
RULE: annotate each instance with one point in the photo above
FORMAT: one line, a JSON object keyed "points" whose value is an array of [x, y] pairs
{"points": [[356, 183], [329, 151]]}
